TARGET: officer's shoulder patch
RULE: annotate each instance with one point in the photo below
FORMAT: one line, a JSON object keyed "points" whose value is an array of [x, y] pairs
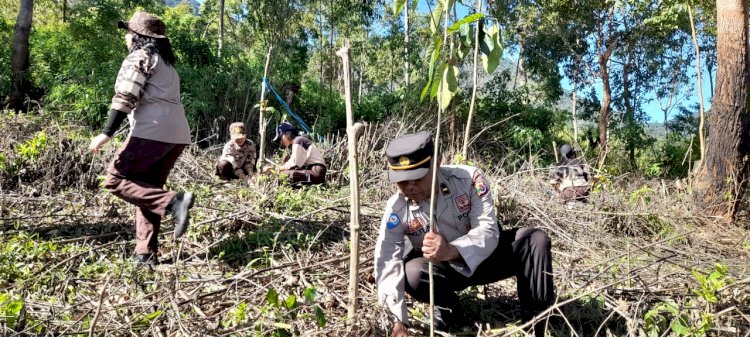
{"points": [[480, 184], [393, 221]]}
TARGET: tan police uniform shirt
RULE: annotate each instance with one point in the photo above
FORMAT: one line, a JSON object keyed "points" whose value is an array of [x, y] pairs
{"points": [[465, 217], [242, 157]]}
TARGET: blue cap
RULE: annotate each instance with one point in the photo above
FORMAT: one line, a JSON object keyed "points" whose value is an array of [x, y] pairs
{"points": [[283, 127]]}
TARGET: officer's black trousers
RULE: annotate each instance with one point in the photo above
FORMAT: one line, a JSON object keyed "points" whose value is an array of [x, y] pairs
{"points": [[524, 253]]}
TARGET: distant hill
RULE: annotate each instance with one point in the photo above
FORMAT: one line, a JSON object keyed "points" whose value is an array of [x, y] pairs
{"points": [[196, 6], [655, 130]]}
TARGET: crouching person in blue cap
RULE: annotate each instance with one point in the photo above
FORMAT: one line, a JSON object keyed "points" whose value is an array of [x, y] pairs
{"points": [[571, 177], [467, 248], [304, 165]]}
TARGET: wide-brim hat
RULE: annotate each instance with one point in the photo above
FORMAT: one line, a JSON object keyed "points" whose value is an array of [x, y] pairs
{"points": [[146, 24], [409, 157]]}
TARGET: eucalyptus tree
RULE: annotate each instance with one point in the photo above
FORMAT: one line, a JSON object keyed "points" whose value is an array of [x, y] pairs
{"points": [[722, 176], [652, 62], [580, 38], [595, 43], [20, 80], [221, 29], [609, 45]]}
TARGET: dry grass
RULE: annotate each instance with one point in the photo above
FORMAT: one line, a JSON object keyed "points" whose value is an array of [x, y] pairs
{"points": [[615, 258]]}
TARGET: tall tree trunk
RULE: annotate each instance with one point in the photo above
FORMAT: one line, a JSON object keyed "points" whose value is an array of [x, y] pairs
{"points": [[699, 86], [322, 53], [221, 29], [519, 65], [330, 54], [575, 115], [709, 71], [628, 103], [363, 60], [720, 182], [406, 44], [604, 108], [20, 62], [65, 10]]}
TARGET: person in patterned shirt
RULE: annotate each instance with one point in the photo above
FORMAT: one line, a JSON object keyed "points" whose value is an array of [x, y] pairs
{"points": [[238, 157], [466, 246], [147, 92]]}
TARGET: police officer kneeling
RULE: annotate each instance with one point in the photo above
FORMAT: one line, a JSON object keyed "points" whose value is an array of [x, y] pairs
{"points": [[468, 248]]}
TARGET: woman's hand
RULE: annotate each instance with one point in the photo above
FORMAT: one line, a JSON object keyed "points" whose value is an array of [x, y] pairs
{"points": [[97, 142]]}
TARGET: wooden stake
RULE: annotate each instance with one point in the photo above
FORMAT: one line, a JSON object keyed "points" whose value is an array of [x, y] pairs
{"points": [[554, 150], [467, 133], [433, 194], [261, 119], [354, 227]]}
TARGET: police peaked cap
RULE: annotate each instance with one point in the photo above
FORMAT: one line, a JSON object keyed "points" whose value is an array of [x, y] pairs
{"points": [[409, 156]]}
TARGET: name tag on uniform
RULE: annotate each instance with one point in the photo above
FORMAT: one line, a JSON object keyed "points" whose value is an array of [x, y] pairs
{"points": [[416, 227]]}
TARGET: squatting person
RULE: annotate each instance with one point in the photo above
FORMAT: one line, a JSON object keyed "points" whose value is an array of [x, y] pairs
{"points": [[468, 248], [304, 165], [571, 177], [238, 156]]}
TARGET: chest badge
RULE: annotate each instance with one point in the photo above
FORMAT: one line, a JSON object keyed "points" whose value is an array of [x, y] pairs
{"points": [[463, 204]]}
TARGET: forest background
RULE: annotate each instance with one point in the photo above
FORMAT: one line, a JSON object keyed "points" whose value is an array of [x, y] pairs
{"points": [[75, 50]]}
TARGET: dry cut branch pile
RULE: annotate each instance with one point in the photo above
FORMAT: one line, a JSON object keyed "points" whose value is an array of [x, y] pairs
{"points": [[267, 260]]}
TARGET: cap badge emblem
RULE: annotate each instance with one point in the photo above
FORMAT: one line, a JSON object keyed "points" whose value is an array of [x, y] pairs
{"points": [[404, 160]]}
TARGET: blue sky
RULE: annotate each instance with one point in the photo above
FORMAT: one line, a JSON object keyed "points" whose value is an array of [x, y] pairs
{"points": [[651, 108], [687, 98]]}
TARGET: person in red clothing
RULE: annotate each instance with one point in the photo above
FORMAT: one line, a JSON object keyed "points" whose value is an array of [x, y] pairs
{"points": [[147, 92]]}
